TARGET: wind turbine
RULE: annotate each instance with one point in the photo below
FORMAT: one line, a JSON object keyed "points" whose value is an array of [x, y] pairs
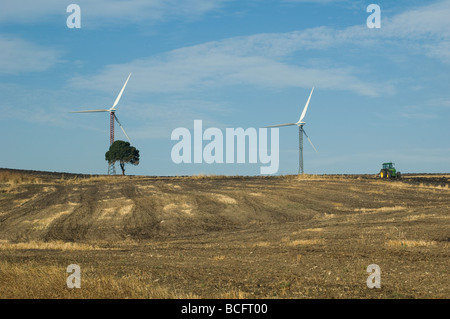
{"points": [[112, 117], [301, 131]]}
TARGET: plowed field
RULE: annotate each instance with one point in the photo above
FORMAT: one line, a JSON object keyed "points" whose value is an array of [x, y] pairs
{"points": [[223, 237]]}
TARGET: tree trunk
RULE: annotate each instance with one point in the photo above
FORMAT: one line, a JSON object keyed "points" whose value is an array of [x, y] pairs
{"points": [[122, 166]]}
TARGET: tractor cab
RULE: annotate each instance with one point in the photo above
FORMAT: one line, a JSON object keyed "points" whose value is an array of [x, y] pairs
{"points": [[389, 171]]}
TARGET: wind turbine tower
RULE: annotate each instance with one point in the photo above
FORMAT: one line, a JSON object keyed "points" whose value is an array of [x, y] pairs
{"points": [[112, 118], [301, 131]]}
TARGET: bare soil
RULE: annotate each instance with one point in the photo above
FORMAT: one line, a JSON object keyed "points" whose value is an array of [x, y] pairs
{"points": [[224, 237]]}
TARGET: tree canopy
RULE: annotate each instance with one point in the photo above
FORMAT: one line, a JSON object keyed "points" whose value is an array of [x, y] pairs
{"points": [[124, 153]]}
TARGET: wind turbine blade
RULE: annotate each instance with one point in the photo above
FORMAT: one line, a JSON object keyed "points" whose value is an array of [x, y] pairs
{"points": [[306, 106], [120, 94], [310, 141], [123, 130], [90, 111], [280, 125]]}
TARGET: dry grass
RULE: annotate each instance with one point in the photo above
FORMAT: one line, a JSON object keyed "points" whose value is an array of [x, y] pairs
{"points": [[10, 181], [308, 176], [262, 244], [421, 217], [305, 242], [321, 177], [314, 230], [17, 178], [224, 199], [410, 243], [219, 258], [427, 176], [222, 237], [308, 230], [75, 180], [402, 185], [14, 179], [234, 294], [325, 216], [381, 209], [53, 245], [287, 241], [203, 176], [32, 281]]}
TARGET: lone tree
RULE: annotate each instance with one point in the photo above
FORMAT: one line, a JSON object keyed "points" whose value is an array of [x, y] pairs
{"points": [[122, 152]]}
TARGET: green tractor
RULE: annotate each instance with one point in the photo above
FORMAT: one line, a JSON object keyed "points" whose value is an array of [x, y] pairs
{"points": [[389, 171]]}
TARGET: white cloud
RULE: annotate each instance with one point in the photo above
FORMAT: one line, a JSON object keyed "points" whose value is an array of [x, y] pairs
{"points": [[267, 60], [315, 1], [440, 51], [440, 103], [422, 22], [261, 60], [17, 56], [426, 30], [418, 116], [99, 12]]}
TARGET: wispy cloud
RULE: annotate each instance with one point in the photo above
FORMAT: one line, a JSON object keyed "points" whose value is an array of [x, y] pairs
{"points": [[421, 22], [266, 60], [102, 12], [35, 105], [315, 1], [417, 116], [17, 56], [262, 61], [440, 103]]}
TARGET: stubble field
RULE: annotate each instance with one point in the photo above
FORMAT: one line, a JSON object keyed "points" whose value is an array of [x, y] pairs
{"points": [[223, 237]]}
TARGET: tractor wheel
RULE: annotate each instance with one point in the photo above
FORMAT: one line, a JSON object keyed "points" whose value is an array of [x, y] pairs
{"points": [[388, 175], [382, 174]]}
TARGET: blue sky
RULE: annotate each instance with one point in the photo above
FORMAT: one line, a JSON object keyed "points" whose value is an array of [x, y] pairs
{"points": [[380, 94]]}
